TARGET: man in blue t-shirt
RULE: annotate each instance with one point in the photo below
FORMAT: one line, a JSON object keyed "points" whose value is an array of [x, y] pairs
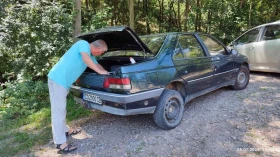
{"points": [[65, 72]]}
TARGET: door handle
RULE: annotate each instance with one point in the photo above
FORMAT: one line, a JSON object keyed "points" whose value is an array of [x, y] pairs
{"points": [[215, 67], [251, 48], [215, 58], [185, 72]]}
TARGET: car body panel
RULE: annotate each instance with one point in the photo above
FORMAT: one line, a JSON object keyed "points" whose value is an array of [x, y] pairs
{"points": [[222, 64], [248, 50], [268, 55], [197, 78]]}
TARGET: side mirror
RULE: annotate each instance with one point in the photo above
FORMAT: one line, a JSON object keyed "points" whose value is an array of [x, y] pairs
{"points": [[234, 52]]}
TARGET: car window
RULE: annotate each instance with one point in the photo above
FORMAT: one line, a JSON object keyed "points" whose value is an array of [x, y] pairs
{"points": [[154, 43], [214, 47], [271, 32], [126, 53], [187, 47], [249, 37]]}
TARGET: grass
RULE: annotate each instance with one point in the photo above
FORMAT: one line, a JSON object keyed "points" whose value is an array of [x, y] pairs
{"points": [[140, 147], [263, 89], [22, 134], [241, 96]]}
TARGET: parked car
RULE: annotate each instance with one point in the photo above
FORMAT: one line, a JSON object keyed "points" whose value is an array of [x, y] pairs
{"points": [[262, 46], [170, 70]]}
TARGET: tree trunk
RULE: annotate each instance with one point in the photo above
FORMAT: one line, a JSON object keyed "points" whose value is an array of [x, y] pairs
{"points": [[175, 22], [199, 19], [87, 4], [209, 21], [179, 19], [145, 5], [197, 15], [160, 17], [131, 14], [78, 21], [170, 15], [187, 10], [250, 14], [123, 13], [241, 3]]}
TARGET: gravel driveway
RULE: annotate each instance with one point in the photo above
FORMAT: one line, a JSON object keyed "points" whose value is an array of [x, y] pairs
{"points": [[222, 123]]}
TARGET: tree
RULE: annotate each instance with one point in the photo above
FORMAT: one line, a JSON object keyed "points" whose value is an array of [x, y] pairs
{"points": [[34, 36], [78, 18], [146, 13], [131, 14], [187, 11], [161, 15]]}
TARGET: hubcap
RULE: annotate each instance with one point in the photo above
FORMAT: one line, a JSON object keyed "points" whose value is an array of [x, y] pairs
{"points": [[241, 79], [172, 110]]}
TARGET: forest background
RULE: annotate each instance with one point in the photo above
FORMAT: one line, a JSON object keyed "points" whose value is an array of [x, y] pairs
{"points": [[34, 34]]}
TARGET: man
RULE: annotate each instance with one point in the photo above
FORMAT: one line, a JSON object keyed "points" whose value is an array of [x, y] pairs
{"points": [[65, 72]]}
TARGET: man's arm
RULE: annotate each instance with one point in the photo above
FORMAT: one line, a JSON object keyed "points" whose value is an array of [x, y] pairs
{"points": [[100, 67], [89, 62]]}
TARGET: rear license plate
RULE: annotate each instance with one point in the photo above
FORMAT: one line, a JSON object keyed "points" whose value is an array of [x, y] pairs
{"points": [[92, 98]]}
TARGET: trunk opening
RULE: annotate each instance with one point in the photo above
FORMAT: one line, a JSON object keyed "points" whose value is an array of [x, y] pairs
{"points": [[111, 64], [90, 79]]}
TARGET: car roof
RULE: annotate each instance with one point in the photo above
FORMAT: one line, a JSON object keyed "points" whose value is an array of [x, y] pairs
{"points": [[170, 33], [266, 24], [271, 23]]}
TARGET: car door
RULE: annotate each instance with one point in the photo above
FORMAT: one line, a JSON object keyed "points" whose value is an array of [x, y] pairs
{"points": [[192, 64], [246, 44], [222, 61], [267, 56]]}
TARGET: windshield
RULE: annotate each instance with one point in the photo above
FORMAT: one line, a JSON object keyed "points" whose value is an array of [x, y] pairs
{"points": [[153, 42]]}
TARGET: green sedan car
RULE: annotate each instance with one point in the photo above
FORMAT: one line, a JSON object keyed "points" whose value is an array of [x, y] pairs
{"points": [[158, 74]]}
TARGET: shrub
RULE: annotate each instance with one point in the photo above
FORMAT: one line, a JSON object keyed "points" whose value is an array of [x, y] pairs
{"points": [[22, 99], [32, 38]]}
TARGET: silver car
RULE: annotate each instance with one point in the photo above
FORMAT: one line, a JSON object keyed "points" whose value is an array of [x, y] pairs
{"points": [[262, 46]]}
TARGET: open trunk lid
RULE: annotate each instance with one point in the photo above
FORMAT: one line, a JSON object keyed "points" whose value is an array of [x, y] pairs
{"points": [[117, 38]]}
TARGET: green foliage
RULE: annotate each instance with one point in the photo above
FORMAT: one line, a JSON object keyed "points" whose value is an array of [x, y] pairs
{"points": [[32, 35], [97, 20], [75, 111], [23, 99], [26, 116], [3, 5]]}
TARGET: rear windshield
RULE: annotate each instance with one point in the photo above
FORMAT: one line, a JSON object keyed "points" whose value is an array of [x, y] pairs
{"points": [[153, 42]]}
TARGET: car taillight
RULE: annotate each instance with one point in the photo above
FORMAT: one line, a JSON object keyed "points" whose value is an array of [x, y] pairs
{"points": [[117, 83], [78, 81]]}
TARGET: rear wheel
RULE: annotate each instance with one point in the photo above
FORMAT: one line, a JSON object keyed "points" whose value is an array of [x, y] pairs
{"points": [[170, 109], [242, 79]]}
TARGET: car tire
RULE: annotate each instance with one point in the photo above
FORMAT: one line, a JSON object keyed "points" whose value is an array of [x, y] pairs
{"points": [[170, 109], [242, 78]]}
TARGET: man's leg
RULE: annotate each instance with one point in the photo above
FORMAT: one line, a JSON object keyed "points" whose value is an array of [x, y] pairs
{"points": [[58, 111]]}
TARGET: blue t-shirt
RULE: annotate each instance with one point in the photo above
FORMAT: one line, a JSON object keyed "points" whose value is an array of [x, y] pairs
{"points": [[71, 65]]}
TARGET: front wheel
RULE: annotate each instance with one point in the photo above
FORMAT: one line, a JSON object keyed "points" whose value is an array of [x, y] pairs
{"points": [[242, 79], [170, 109]]}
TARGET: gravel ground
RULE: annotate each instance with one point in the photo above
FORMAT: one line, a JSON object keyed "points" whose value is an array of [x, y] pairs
{"points": [[222, 123]]}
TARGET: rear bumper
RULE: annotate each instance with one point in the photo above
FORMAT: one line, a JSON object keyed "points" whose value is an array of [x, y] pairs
{"points": [[119, 99], [113, 110]]}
